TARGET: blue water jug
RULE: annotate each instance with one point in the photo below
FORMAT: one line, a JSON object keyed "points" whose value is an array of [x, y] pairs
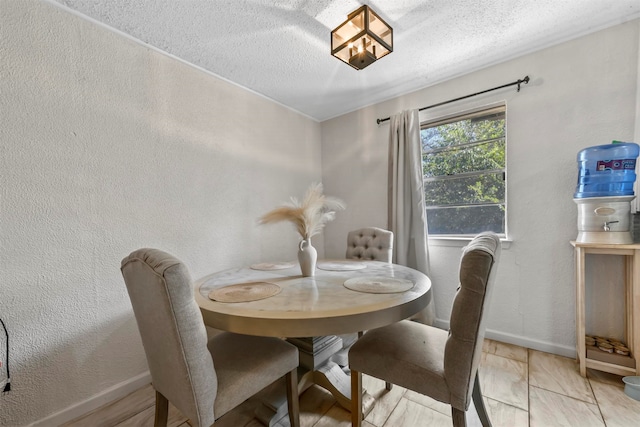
{"points": [[607, 170]]}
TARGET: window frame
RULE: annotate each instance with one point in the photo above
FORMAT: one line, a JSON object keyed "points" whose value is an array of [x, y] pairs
{"points": [[496, 108]]}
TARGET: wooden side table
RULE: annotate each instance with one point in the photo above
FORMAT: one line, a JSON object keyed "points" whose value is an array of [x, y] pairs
{"points": [[594, 358]]}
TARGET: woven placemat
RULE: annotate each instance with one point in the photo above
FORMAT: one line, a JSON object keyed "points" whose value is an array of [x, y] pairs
{"points": [[378, 285], [272, 266], [341, 265], [245, 292]]}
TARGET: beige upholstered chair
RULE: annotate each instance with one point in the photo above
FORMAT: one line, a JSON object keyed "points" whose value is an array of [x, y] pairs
{"points": [[204, 380], [442, 365], [370, 244]]}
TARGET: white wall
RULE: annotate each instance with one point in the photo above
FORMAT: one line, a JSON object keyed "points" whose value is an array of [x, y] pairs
{"points": [[582, 93], [107, 146]]}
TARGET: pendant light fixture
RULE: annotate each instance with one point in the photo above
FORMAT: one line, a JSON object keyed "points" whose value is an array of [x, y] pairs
{"points": [[362, 39]]}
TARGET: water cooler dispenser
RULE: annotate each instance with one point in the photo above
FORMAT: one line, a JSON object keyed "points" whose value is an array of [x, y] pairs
{"points": [[606, 174]]}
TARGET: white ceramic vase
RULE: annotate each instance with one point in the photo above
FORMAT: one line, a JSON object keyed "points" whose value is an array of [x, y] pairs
{"points": [[307, 257]]}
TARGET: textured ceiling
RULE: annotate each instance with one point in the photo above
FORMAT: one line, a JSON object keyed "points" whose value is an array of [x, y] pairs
{"points": [[281, 49]]}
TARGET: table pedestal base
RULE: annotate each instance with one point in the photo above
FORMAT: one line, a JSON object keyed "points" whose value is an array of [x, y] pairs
{"points": [[316, 367]]}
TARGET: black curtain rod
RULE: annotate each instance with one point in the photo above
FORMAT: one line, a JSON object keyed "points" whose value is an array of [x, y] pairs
{"points": [[517, 82]]}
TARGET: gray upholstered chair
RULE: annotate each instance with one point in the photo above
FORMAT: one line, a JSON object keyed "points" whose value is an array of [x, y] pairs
{"points": [[370, 243], [440, 364], [204, 380]]}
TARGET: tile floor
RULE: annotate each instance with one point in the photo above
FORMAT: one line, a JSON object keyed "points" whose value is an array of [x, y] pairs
{"points": [[521, 387]]}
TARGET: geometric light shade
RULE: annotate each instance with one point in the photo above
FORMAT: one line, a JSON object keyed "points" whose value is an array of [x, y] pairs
{"points": [[362, 39]]}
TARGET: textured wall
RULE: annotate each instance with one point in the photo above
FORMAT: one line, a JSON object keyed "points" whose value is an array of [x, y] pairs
{"points": [[582, 93], [107, 146]]}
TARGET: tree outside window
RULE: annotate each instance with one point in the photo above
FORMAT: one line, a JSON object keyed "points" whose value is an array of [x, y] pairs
{"points": [[463, 165]]}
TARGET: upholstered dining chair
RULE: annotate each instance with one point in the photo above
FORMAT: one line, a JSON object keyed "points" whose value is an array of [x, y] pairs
{"points": [[370, 243], [203, 379], [440, 364]]}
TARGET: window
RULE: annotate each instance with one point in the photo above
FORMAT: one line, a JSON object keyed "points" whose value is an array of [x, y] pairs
{"points": [[463, 164]]}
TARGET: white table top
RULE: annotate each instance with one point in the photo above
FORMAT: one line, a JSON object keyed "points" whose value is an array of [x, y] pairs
{"points": [[312, 306]]}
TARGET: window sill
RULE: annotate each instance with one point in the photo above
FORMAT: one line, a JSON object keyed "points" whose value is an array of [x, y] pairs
{"points": [[460, 241]]}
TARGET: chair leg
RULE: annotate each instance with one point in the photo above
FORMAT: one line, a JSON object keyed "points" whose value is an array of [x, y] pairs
{"points": [[388, 386], [356, 399], [459, 417], [292, 397], [162, 410], [478, 402]]}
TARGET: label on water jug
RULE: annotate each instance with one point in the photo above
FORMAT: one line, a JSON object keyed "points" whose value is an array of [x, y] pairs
{"points": [[620, 164]]}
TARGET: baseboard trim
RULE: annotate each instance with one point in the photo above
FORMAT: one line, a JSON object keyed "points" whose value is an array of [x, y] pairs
{"points": [[545, 346], [109, 395]]}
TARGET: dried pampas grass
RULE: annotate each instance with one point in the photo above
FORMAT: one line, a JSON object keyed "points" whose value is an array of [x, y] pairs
{"points": [[308, 216]]}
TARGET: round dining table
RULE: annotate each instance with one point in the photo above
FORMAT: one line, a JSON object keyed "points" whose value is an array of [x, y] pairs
{"points": [[317, 305], [342, 297]]}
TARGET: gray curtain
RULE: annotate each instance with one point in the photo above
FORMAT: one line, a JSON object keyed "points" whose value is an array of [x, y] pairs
{"points": [[407, 216]]}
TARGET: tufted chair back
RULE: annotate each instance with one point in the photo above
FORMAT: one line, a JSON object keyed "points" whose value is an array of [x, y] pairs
{"points": [[463, 348], [181, 358], [370, 243], [173, 332], [431, 361]]}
